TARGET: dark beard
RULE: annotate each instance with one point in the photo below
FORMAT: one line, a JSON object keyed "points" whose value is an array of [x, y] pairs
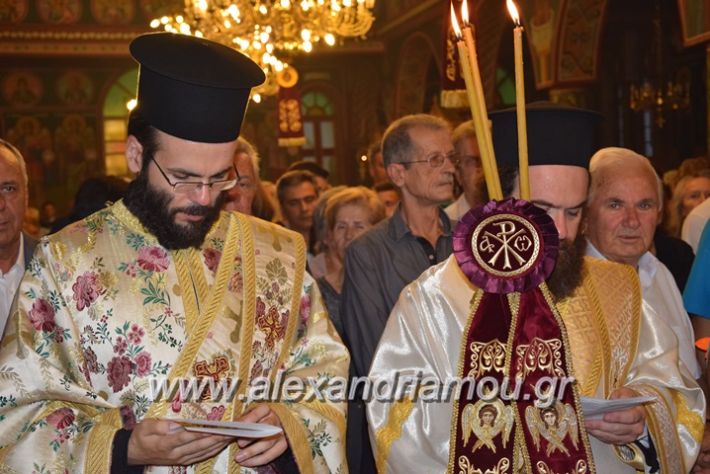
{"points": [[568, 271], [152, 208]]}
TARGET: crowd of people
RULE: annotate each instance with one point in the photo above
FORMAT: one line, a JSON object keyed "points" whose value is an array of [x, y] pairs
{"points": [[198, 268]]}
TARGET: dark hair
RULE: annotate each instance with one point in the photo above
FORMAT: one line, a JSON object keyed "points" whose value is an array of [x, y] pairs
{"points": [[310, 166], [508, 177], [145, 133], [293, 178], [93, 195]]}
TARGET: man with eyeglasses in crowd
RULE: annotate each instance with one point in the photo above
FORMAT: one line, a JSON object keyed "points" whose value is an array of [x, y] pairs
{"points": [[419, 157], [162, 286]]}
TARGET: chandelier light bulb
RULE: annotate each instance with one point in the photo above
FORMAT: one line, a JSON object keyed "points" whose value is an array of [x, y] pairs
{"points": [[329, 39]]}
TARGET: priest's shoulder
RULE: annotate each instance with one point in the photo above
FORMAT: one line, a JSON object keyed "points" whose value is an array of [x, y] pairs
{"points": [[80, 232], [269, 232], [611, 275]]}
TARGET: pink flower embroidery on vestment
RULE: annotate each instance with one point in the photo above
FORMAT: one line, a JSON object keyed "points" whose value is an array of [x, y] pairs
{"points": [[121, 346], [154, 259], [212, 258], [143, 364], [61, 418], [86, 290], [119, 372], [42, 316], [135, 334], [91, 361]]}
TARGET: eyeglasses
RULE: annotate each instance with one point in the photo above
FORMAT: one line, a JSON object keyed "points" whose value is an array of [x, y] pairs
{"points": [[436, 160], [194, 187]]}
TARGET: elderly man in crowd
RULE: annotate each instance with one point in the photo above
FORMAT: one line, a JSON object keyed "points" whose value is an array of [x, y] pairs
{"points": [[616, 350], [248, 196], [16, 247], [419, 157], [624, 205], [469, 172]]}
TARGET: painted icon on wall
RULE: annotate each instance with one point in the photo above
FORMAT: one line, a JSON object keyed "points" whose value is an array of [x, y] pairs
{"points": [[75, 88], [59, 12], [13, 11], [113, 12], [22, 89]]}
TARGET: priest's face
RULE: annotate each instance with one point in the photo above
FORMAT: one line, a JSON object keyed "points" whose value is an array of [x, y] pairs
{"points": [[562, 192], [179, 215]]}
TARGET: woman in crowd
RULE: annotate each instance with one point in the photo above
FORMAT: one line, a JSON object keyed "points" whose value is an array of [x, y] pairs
{"points": [[348, 213], [690, 191]]}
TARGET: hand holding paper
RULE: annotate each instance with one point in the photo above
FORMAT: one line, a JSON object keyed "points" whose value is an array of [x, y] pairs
{"points": [[622, 425], [236, 429]]}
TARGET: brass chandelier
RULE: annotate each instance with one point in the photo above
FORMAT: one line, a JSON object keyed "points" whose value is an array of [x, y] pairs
{"points": [[271, 31]]}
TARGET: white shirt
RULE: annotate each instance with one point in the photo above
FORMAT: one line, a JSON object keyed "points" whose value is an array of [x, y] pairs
{"points": [[694, 224], [662, 298], [9, 282], [457, 209]]}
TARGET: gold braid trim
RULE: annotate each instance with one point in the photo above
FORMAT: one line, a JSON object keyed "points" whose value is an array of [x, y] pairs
{"points": [[618, 312], [247, 330], [662, 428], [199, 276], [300, 252], [224, 272], [297, 435], [189, 300], [687, 417], [475, 302], [201, 326], [602, 361], [98, 452], [569, 369], [388, 434]]}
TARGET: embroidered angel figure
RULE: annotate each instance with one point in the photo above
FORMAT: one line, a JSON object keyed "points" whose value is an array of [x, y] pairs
{"points": [[553, 423], [486, 420]]}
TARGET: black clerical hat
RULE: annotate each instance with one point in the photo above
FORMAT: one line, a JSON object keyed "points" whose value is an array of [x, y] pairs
{"points": [[193, 88], [557, 135]]}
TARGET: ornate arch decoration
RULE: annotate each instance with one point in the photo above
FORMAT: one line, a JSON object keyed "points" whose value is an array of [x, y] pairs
{"points": [[579, 41], [416, 55]]}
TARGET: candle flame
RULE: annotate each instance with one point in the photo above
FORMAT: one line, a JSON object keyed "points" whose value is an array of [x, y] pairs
{"points": [[454, 23], [464, 12], [513, 10]]}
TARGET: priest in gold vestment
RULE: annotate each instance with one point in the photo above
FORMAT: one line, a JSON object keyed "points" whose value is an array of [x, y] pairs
{"points": [[616, 350], [163, 287]]}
